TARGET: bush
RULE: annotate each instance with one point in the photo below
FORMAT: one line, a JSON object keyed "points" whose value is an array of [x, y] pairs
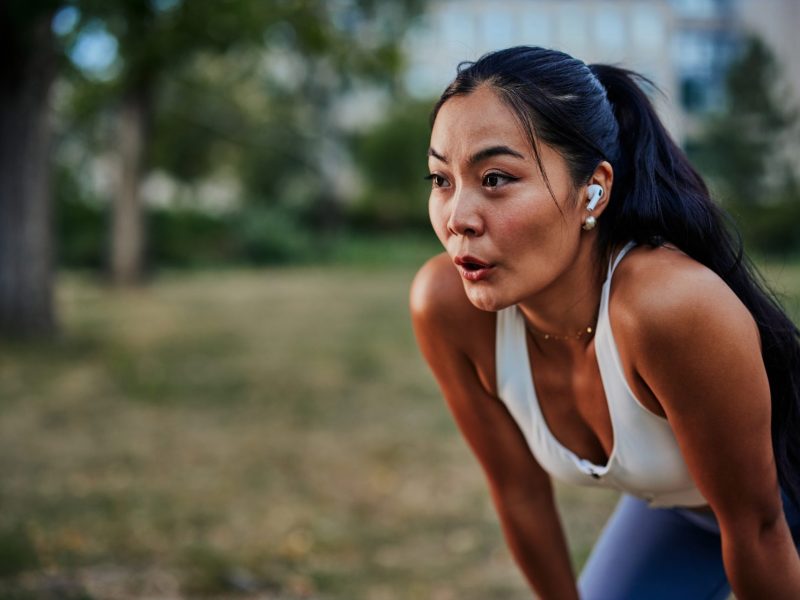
{"points": [[189, 238], [772, 228], [392, 157], [81, 234], [272, 236]]}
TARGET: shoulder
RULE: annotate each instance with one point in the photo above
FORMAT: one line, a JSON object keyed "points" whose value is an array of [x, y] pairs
{"points": [[456, 338], [437, 299], [457, 341], [435, 287], [663, 294], [671, 313], [697, 349]]}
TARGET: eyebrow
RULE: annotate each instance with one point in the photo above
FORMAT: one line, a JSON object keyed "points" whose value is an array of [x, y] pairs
{"points": [[481, 155], [436, 155]]}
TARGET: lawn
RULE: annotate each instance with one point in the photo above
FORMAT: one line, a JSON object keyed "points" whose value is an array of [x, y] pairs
{"points": [[251, 433]]}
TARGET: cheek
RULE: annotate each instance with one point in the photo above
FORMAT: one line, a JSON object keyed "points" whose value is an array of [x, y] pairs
{"points": [[438, 218], [533, 231], [524, 226]]}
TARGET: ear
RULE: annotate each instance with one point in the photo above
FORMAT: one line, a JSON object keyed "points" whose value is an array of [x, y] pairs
{"points": [[604, 177]]}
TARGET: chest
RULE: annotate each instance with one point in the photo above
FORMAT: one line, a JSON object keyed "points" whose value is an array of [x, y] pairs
{"points": [[573, 402]]}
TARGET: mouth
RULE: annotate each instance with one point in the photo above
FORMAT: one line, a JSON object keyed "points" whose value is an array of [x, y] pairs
{"points": [[471, 268]]}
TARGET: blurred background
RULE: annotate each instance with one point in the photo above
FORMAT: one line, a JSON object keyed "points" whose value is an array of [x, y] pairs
{"points": [[210, 214]]}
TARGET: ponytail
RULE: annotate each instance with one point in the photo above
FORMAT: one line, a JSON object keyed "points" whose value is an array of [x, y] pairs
{"points": [[657, 192], [601, 112], [663, 198]]}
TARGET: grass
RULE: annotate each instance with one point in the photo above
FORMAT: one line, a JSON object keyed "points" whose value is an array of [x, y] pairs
{"points": [[268, 434]]}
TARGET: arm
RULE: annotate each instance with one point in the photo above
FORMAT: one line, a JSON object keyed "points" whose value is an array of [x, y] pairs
{"points": [[520, 489], [698, 350]]}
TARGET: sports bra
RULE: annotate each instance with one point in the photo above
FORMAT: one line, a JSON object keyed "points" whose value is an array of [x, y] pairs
{"points": [[645, 460]]}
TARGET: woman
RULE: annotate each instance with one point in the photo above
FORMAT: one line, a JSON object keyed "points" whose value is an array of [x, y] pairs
{"points": [[548, 177]]}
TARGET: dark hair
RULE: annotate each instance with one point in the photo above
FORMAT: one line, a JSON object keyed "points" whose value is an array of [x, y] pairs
{"points": [[599, 112]]}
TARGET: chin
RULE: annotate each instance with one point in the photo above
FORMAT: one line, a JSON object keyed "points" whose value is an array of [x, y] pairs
{"points": [[484, 299]]}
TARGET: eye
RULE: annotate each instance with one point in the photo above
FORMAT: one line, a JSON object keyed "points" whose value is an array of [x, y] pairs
{"points": [[437, 180], [495, 180]]}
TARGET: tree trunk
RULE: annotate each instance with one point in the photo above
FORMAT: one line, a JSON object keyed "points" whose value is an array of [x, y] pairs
{"points": [[26, 262], [127, 227]]}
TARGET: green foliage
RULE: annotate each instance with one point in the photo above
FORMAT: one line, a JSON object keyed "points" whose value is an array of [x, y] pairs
{"points": [[247, 90], [272, 236], [393, 158], [17, 552], [738, 146], [772, 228], [80, 224], [189, 238], [754, 90], [81, 235], [258, 235], [275, 169], [248, 86], [381, 249], [182, 146], [741, 148]]}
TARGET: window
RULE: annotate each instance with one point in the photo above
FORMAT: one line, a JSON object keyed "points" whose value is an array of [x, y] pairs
{"points": [[695, 9]]}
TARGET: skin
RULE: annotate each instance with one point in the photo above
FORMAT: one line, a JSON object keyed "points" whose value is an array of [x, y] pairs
{"points": [[692, 355]]}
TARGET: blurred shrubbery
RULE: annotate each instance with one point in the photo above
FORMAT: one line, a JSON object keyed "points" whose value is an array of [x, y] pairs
{"points": [[277, 226], [393, 159], [257, 236], [249, 106], [188, 237]]}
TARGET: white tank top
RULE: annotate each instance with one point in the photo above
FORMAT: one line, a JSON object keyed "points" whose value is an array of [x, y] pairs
{"points": [[645, 460]]}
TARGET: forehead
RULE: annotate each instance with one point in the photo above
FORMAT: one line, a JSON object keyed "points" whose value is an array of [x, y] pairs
{"points": [[478, 119]]}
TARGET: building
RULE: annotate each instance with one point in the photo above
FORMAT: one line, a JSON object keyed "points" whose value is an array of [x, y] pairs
{"points": [[684, 46]]}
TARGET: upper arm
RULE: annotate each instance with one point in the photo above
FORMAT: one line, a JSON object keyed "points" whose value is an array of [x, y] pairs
{"points": [[457, 340], [697, 348]]}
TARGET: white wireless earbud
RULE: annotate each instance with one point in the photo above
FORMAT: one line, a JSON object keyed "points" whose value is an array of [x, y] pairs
{"points": [[595, 193]]}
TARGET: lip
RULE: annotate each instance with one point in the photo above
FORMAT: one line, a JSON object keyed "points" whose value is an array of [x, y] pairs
{"points": [[472, 268]]}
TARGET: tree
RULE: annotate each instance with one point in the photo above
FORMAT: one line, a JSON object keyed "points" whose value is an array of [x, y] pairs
{"points": [[742, 149], [337, 45], [160, 42], [26, 262], [393, 157]]}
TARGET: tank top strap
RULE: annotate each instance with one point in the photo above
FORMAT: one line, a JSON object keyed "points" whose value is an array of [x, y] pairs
{"points": [[613, 262]]}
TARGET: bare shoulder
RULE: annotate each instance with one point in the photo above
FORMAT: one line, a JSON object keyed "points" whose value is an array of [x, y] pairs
{"points": [[438, 301], [457, 341], [456, 338], [663, 299], [696, 348]]}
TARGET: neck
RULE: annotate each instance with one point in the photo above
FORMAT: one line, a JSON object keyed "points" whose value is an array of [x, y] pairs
{"points": [[569, 305]]}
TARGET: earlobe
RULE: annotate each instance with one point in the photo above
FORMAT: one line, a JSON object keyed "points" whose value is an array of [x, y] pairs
{"points": [[595, 193]]}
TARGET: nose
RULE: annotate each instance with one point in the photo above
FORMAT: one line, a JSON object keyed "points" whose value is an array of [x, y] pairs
{"points": [[465, 218]]}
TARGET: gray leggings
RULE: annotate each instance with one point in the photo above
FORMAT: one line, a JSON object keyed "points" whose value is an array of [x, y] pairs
{"points": [[660, 553]]}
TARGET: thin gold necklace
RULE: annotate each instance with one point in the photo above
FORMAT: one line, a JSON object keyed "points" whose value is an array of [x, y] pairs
{"points": [[588, 330]]}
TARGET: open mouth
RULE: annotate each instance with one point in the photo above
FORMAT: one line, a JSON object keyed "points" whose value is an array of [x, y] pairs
{"points": [[472, 268]]}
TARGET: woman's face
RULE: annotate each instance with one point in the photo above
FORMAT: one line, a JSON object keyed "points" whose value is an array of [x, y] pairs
{"points": [[490, 206]]}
